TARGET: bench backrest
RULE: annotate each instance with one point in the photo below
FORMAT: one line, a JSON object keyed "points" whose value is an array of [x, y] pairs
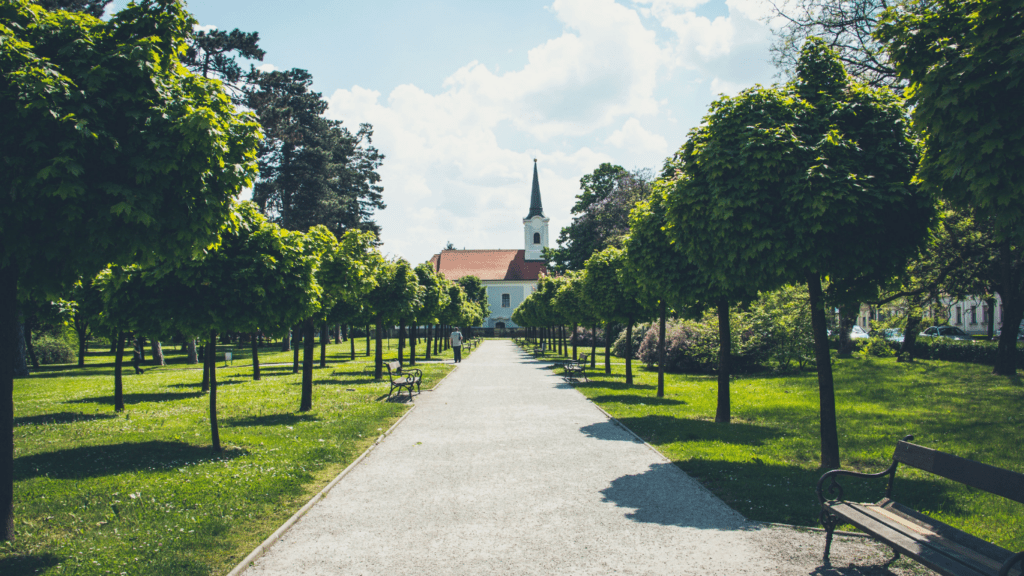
{"points": [[395, 367], [1005, 483], [583, 358]]}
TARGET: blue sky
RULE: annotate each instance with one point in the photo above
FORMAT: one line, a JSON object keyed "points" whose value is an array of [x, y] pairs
{"points": [[464, 94]]}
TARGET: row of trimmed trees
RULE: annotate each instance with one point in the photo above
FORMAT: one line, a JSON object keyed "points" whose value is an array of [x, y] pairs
{"points": [[811, 182]]}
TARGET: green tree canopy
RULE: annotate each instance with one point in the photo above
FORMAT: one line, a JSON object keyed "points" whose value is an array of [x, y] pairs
{"points": [[114, 153], [615, 297], [802, 182]]}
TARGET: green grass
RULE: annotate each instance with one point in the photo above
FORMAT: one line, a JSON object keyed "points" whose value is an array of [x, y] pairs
{"points": [[142, 492], [765, 463]]}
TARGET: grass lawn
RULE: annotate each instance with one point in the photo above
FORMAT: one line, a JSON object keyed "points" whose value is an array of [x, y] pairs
{"points": [[142, 492], [765, 463]]}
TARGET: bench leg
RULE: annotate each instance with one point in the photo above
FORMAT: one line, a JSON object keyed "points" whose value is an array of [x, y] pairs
{"points": [[829, 522]]}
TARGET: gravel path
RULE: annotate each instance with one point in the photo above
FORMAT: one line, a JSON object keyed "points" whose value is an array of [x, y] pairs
{"points": [[506, 470]]}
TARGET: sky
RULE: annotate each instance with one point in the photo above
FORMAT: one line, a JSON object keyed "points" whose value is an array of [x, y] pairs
{"points": [[463, 95]]}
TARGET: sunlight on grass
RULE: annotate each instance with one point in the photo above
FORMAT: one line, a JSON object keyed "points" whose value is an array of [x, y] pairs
{"points": [[765, 463], [142, 492]]}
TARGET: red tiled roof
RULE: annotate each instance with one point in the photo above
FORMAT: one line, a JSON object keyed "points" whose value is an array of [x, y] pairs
{"points": [[487, 264]]}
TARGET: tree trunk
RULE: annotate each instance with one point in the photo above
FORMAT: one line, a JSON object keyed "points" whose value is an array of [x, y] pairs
{"points": [[723, 413], [82, 330], [295, 351], [575, 325], [1013, 311], [401, 341], [910, 333], [826, 386], [324, 336], [206, 367], [629, 351], [141, 343], [9, 337], [412, 344], [661, 349], [255, 358], [990, 303], [192, 353], [308, 348], [593, 347], [27, 330], [846, 322], [118, 369], [351, 344], [429, 328], [337, 334], [211, 359], [158, 352], [378, 356], [367, 340], [286, 342], [607, 348]]}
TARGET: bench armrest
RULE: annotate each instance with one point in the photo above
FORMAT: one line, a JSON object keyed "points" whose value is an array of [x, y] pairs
{"points": [[1015, 559], [835, 490], [409, 372]]}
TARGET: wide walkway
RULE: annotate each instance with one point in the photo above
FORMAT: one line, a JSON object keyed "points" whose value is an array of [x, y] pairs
{"points": [[506, 470]]}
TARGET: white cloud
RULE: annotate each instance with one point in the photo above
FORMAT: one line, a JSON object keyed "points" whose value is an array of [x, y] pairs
{"points": [[204, 28], [267, 67], [633, 136]]}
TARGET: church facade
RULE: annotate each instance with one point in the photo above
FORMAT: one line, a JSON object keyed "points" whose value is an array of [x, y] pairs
{"points": [[509, 275]]}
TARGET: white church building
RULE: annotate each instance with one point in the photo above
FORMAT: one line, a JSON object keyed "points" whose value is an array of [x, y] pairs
{"points": [[509, 275]]}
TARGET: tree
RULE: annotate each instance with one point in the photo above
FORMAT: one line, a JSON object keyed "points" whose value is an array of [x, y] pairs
{"points": [[476, 292], [108, 136], [964, 60], [435, 299], [211, 54], [614, 297], [312, 170], [601, 215], [396, 295], [847, 26], [93, 8], [665, 275], [571, 304], [802, 182]]}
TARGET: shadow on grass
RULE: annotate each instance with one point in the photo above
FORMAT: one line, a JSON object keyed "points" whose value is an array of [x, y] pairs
{"points": [[112, 459], [637, 400], [139, 398], [270, 420], [669, 429], [61, 418], [28, 564], [612, 384], [67, 371]]}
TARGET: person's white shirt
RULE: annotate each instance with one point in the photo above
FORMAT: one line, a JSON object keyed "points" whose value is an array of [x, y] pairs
{"points": [[456, 338]]}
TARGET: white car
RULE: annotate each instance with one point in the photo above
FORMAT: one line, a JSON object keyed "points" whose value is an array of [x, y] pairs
{"points": [[857, 333], [945, 332]]}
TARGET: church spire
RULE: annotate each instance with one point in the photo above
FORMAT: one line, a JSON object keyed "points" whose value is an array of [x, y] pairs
{"points": [[535, 207]]}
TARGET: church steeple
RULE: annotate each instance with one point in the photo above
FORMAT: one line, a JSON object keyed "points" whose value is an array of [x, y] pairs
{"points": [[535, 225], [535, 206]]}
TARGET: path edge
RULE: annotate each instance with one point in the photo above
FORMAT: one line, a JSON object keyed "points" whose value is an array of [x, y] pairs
{"points": [[261, 549]]}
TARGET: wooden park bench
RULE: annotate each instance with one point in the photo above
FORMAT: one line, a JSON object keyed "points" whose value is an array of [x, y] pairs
{"points": [[575, 368], [938, 546], [403, 378], [539, 351]]}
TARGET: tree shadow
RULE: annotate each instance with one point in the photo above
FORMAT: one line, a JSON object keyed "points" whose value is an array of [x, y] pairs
{"points": [[664, 495], [270, 420], [614, 385], [346, 381], [669, 429], [637, 400], [608, 430], [113, 459], [28, 563], [61, 418], [139, 398], [66, 371]]}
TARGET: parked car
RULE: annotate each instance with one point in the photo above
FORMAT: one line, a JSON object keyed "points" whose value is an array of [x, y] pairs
{"points": [[892, 334], [945, 332], [857, 333], [1020, 332]]}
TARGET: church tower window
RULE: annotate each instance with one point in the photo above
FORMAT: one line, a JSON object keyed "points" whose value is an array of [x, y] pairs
{"points": [[536, 237]]}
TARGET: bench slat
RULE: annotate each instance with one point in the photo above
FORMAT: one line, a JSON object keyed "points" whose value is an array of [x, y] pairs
{"points": [[1005, 483], [904, 540], [997, 554]]}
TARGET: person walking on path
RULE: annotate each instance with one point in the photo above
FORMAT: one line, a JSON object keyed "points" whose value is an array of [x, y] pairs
{"points": [[456, 342]]}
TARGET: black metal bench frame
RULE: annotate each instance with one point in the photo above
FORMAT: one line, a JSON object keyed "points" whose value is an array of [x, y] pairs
{"points": [[576, 367], [938, 546], [403, 378]]}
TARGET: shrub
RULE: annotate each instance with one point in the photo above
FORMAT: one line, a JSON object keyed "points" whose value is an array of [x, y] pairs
{"points": [[639, 331], [878, 346], [584, 339], [53, 350], [692, 346], [977, 352]]}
